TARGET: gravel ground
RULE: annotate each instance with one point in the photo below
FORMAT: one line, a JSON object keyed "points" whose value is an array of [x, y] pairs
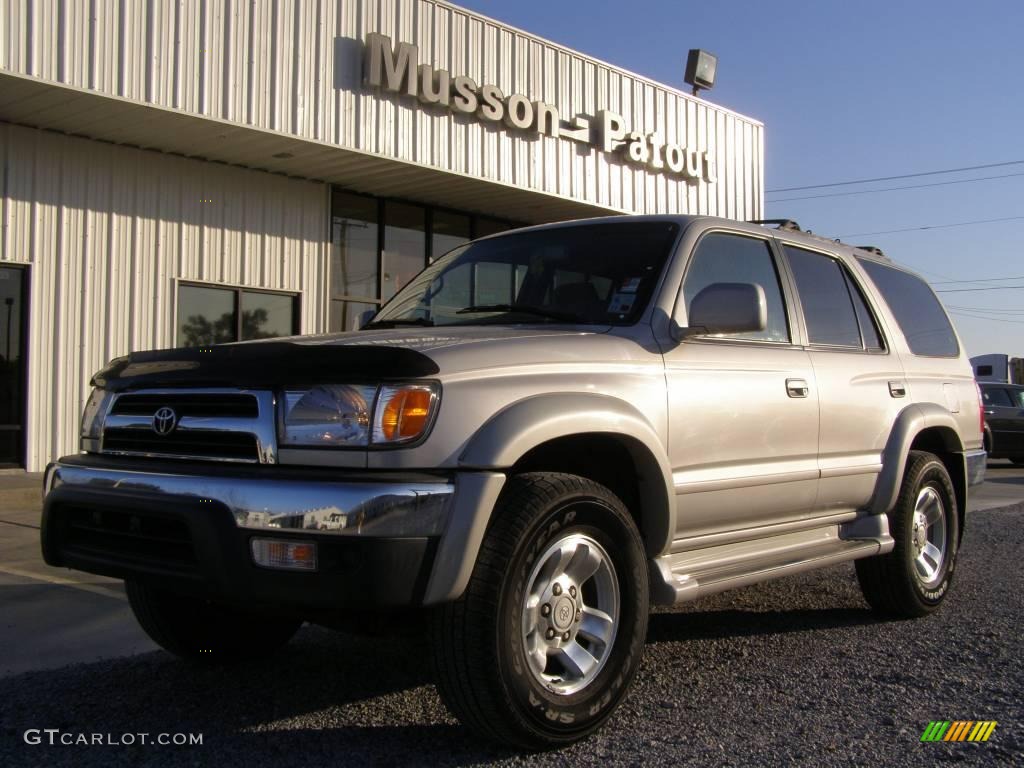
{"points": [[793, 672]]}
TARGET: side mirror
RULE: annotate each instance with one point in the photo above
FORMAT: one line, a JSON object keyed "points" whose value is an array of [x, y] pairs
{"points": [[365, 317], [724, 308]]}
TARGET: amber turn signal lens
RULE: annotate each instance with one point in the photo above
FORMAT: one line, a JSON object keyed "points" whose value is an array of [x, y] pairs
{"points": [[405, 414]]}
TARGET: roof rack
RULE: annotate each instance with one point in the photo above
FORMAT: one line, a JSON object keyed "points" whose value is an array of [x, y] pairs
{"points": [[872, 249], [787, 224]]}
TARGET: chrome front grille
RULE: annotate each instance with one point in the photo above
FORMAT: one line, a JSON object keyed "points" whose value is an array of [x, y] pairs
{"points": [[209, 424], [210, 404]]}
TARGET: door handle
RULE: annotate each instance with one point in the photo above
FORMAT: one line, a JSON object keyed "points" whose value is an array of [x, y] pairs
{"points": [[989, 412], [797, 388], [897, 389]]}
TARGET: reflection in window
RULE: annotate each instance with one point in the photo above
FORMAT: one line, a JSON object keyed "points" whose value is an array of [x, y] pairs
{"points": [[205, 316], [266, 315], [722, 258], [211, 315]]}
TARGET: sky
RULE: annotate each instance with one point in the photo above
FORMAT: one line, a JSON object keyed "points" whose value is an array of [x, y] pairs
{"points": [[850, 91]]}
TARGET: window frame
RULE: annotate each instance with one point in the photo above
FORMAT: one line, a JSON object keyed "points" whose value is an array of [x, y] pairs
{"points": [[237, 289], [794, 321], [852, 283]]}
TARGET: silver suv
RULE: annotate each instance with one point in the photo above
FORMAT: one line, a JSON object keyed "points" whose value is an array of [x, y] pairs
{"points": [[543, 434]]}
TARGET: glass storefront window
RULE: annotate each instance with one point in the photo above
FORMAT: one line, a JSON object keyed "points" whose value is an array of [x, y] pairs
{"points": [[377, 246], [345, 314], [486, 227], [210, 315], [353, 245], [405, 246], [448, 230]]}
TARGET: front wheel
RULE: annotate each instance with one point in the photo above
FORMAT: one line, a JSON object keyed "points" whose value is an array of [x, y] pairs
{"points": [[198, 630], [915, 577], [546, 640]]}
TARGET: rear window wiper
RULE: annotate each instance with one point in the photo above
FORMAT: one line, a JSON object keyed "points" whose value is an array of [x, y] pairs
{"points": [[526, 309], [392, 322]]}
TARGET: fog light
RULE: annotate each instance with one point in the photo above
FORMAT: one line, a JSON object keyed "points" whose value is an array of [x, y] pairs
{"points": [[278, 553]]}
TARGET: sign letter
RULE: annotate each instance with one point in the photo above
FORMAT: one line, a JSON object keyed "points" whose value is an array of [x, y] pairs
{"points": [[393, 69]]}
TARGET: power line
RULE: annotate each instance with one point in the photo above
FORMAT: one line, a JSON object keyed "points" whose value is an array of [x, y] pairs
{"points": [[894, 178], [980, 280], [990, 319], [987, 310], [894, 189], [932, 226], [993, 288]]}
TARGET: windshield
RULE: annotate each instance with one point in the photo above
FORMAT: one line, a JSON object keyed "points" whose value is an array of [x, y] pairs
{"points": [[591, 274]]}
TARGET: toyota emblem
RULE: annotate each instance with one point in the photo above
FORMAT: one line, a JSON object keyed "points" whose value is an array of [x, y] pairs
{"points": [[164, 421]]}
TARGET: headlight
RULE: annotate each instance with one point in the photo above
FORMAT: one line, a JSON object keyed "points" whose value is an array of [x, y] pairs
{"points": [[332, 416], [340, 416], [94, 413]]}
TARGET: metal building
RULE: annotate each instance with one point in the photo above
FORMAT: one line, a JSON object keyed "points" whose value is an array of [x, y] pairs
{"points": [[208, 170]]}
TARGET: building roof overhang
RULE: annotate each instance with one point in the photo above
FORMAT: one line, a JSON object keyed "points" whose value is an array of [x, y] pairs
{"points": [[38, 103]]}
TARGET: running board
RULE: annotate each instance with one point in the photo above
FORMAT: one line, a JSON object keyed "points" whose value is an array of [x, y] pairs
{"points": [[685, 576]]}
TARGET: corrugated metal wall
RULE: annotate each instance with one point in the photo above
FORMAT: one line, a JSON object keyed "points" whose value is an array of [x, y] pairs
{"points": [[107, 230], [272, 65]]}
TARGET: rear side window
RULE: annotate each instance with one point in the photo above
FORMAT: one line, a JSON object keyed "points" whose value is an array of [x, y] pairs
{"points": [[918, 312], [996, 396], [825, 296]]}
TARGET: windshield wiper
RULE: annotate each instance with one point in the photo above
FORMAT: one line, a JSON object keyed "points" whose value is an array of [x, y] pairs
{"points": [[527, 309], [392, 322]]}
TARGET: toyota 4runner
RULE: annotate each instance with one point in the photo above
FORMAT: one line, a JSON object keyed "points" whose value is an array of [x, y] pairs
{"points": [[543, 434]]}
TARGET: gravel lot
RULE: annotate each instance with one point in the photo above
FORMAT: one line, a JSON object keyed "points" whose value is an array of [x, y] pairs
{"points": [[793, 672]]}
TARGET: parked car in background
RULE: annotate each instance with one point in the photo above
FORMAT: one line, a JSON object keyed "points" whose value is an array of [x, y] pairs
{"points": [[1004, 421]]}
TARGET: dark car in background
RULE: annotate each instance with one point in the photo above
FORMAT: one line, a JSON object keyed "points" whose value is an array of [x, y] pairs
{"points": [[1004, 421]]}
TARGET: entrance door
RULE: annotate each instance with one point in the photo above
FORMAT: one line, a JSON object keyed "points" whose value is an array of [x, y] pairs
{"points": [[12, 367]]}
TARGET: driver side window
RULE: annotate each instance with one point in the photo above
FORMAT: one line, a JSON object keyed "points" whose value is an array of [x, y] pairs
{"points": [[725, 258]]}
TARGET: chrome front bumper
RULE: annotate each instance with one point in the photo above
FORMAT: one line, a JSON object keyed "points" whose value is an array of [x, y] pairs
{"points": [[393, 508]]}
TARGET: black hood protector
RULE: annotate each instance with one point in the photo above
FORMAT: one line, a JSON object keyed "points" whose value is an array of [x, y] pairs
{"points": [[264, 365]]}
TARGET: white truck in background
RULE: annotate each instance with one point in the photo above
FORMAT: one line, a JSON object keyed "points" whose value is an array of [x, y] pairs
{"points": [[998, 368]]}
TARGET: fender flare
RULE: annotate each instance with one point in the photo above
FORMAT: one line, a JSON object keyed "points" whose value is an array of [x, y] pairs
{"points": [[508, 436], [522, 426], [911, 421]]}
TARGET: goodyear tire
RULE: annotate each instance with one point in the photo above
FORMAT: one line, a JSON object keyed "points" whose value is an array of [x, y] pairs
{"points": [[915, 577], [197, 630], [545, 642]]}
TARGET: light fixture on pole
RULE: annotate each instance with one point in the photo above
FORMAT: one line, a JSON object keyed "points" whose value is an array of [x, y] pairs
{"points": [[700, 70]]}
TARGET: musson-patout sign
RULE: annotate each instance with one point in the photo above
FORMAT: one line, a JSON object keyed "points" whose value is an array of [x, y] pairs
{"points": [[396, 69]]}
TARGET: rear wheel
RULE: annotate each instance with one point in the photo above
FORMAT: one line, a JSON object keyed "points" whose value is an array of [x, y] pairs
{"points": [[546, 640], [914, 578], [193, 628]]}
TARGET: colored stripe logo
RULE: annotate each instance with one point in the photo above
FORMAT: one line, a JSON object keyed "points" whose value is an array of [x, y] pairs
{"points": [[959, 730]]}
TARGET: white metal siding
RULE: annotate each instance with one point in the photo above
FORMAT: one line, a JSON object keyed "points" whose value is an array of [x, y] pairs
{"points": [[272, 64], [107, 230]]}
